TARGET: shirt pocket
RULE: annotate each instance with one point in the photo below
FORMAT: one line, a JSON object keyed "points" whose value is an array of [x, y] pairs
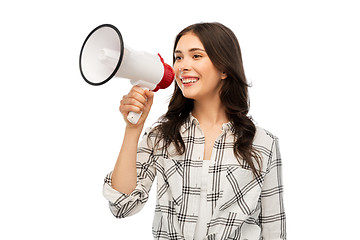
{"points": [[170, 180], [241, 191]]}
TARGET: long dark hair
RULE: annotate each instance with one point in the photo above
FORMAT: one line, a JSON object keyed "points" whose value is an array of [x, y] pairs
{"points": [[222, 47]]}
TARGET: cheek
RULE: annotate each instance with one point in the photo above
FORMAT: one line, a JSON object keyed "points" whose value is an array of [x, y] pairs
{"points": [[176, 71], [179, 83], [213, 73], [206, 69]]}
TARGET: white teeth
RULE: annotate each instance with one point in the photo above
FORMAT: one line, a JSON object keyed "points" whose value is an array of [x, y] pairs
{"points": [[189, 80]]}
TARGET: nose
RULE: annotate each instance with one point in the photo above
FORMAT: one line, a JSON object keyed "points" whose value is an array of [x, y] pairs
{"points": [[185, 64], [184, 67], [182, 70]]}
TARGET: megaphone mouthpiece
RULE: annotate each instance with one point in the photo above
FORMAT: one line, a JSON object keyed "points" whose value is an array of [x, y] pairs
{"points": [[168, 76]]}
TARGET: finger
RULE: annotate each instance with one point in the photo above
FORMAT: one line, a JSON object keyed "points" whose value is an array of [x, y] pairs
{"points": [[134, 101], [150, 97], [138, 90], [137, 100], [140, 97], [136, 97], [149, 94], [133, 104], [125, 109]]}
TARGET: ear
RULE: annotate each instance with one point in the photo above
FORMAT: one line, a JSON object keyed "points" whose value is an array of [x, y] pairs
{"points": [[223, 75]]}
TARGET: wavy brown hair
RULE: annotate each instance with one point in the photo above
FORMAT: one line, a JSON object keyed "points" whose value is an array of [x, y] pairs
{"points": [[223, 49]]}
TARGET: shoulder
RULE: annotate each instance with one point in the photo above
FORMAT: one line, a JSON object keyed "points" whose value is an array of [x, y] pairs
{"points": [[266, 143], [154, 128], [264, 138], [153, 137], [151, 133]]}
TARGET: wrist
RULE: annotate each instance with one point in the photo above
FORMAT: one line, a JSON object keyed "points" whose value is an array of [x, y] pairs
{"points": [[134, 128]]}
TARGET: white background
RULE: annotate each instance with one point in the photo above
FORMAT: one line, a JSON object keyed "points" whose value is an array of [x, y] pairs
{"points": [[60, 136]]}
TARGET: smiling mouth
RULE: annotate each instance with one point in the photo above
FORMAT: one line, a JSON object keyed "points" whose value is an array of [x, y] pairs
{"points": [[189, 80]]}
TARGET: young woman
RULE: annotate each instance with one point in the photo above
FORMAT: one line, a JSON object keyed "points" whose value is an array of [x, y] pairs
{"points": [[218, 175]]}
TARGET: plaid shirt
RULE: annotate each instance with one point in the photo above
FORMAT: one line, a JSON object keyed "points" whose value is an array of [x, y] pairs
{"points": [[243, 207]]}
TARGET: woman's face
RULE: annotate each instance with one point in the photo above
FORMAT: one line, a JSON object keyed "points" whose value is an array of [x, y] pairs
{"points": [[196, 75]]}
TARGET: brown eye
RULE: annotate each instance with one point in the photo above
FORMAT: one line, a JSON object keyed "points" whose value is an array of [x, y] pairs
{"points": [[177, 58]]}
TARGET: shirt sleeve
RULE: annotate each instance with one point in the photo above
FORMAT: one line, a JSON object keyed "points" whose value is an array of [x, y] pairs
{"points": [[272, 216], [124, 205]]}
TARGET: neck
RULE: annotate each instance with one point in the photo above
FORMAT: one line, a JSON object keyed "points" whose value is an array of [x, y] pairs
{"points": [[209, 112]]}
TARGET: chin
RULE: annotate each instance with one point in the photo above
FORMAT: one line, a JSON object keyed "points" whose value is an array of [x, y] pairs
{"points": [[189, 93]]}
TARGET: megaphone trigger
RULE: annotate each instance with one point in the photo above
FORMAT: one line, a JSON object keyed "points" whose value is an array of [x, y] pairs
{"points": [[134, 117]]}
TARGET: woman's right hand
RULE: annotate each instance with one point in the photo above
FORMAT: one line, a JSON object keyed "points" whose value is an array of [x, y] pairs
{"points": [[137, 100]]}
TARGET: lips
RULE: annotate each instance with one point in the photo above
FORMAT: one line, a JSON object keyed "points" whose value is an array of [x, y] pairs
{"points": [[187, 80]]}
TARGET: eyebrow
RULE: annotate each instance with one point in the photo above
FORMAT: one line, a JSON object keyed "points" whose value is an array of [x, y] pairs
{"points": [[191, 50]]}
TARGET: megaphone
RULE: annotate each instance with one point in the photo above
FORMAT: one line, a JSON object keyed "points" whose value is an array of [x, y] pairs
{"points": [[104, 55]]}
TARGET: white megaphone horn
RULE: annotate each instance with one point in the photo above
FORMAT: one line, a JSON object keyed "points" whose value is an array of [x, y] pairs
{"points": [[104, 56]]}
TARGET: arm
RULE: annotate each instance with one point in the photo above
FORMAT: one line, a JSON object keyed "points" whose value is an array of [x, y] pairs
{"points": [[127, 186], [127, 204], [124, 173], [272, 217]]}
